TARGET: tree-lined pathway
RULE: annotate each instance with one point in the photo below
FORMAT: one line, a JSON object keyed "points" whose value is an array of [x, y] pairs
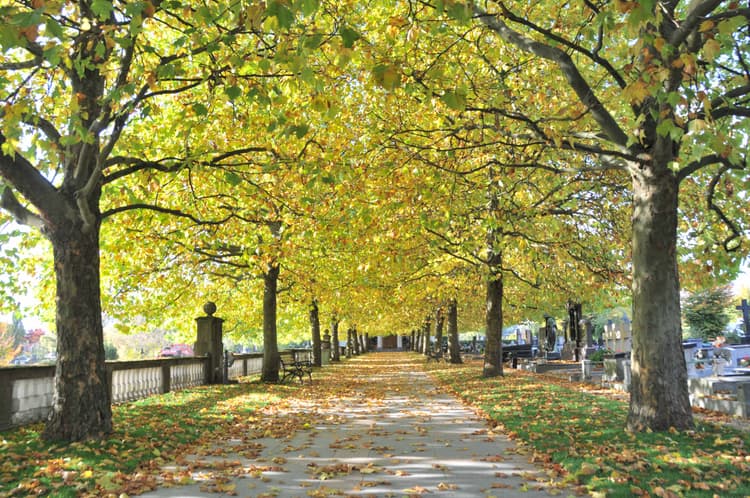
{"points": [[376, 426]]}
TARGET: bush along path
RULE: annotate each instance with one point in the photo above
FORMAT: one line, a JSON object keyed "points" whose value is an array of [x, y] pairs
{"points": [[580, 437], [376, 425]]}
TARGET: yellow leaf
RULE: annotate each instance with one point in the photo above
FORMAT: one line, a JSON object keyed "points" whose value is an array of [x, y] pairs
{"points": [[706, 26], [711, 49]]}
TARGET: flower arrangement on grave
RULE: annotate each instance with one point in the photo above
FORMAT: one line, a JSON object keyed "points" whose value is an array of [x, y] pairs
{"points": [[719, 341], [744, 362], [600, 354]]}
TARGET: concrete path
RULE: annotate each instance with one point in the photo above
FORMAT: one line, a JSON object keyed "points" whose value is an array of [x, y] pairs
{"points": [[386, 430]]}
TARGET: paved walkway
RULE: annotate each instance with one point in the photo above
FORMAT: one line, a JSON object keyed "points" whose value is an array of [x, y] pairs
{"points": [[386, 430]]}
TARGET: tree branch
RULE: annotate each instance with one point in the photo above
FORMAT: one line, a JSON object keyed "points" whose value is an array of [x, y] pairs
{"points": [[569, 70], [19, 212]]}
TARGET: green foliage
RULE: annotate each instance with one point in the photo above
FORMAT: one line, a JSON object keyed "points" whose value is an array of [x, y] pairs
{"points": [[17, 330], [7, 349], [707, 312], [110, 351], [600, 354]]}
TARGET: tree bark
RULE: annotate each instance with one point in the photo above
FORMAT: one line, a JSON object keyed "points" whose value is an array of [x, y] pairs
{"points": [[355, 338], [270, 370], [426, 336], [81, 407], [659, 393], [493, 353], [315, 329], [439, 321], [454, 346], [335, 349]]}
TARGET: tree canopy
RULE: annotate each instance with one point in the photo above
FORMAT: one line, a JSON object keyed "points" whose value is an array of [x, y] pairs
{"points": [[382, 159]]}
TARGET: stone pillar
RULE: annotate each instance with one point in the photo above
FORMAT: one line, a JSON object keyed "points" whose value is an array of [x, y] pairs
{"points": [[325, 349], [399, 342], [208, 342], [586, 369], [380, 343]]}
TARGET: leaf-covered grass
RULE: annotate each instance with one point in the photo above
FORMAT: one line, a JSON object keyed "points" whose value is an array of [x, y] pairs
{"points": [[581, 436], [147, 434]]}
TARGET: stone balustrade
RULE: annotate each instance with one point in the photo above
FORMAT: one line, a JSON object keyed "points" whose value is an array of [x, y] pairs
{"points": [[26, 392]]}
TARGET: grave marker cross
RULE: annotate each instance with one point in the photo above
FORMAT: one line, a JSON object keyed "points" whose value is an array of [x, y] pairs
{"points": [[745, 309]]}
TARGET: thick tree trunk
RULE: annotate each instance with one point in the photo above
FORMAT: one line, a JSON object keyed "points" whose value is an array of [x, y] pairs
{"points": [[413, 341], [81, 407], [315, 329], [493, 353], [454, 347], [439, 321], [659, 393], [270, 371], [426, 336], [335, 349]]}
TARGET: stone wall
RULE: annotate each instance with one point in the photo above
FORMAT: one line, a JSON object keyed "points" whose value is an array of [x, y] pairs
{"points": [[26, 392]]}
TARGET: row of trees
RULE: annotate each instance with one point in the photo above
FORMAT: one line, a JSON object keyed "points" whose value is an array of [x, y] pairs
{"points": [[374, 159]]}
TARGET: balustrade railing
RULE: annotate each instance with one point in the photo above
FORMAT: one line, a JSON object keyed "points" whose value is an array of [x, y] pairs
{"points": [[26, 392]]}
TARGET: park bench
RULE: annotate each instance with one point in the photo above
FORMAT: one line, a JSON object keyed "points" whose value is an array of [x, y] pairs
{"points": [[295, 369], [435, 356]]}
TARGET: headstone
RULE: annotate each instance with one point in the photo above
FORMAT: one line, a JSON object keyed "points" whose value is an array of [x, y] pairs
{"points": [[575, 319], [745, 309], [617, 335]]}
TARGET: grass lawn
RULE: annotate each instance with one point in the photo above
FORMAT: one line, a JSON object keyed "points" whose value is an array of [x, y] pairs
{"points": [[581, 436], [147, 433]]}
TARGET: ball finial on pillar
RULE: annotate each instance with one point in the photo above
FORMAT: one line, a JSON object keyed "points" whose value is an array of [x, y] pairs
{"points": [[209, 308]]}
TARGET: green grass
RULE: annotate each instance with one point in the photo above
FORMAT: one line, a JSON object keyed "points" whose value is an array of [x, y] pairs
{"points": [[582, 436], [147, 433]]}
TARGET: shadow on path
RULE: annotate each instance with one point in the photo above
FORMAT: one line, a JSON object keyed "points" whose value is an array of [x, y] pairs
{"points": [[376, 425]]}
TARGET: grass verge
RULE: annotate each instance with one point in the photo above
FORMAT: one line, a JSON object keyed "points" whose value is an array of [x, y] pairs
{"points": [[581, 436], [147, 433]]}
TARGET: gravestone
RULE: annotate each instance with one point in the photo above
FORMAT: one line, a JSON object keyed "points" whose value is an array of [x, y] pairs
{"points": [[617, 335], [745, 309]]}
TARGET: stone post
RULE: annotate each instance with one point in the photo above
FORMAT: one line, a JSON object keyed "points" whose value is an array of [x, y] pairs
{"points": [[325, 349], [209, 343]]}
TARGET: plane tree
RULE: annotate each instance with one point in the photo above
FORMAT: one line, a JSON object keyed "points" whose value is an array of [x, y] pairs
{"points": [[657, 90], [76, 76]]}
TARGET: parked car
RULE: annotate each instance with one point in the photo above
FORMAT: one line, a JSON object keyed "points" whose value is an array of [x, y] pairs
{"points": [[176, 350], [21, 359]]}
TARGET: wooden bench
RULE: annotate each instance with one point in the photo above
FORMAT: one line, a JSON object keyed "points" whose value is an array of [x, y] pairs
{"points": [[295, 369], [436, 356]]}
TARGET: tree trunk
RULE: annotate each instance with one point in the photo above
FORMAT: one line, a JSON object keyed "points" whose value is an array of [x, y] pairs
{"points": [[335, 349], [315, 328], [413, 341], [426, 336], [270, 369], [439, 320], [355, 340], [81, 406], [658, 393], [493, 353], [453, 344]]}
